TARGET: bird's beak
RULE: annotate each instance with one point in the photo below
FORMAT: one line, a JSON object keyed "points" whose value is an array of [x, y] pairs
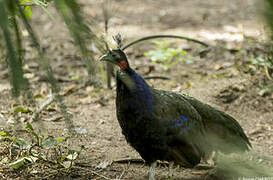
{"points": [[108, 57], [104, 57]]}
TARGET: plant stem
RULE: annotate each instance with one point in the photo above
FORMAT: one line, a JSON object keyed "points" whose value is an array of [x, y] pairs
{"points": [[164, 36]]}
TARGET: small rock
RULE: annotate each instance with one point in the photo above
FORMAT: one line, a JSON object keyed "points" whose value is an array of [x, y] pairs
{"points": [[103, 165], [80, 130]]}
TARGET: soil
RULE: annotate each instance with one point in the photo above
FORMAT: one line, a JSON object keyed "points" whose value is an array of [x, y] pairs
{"points": [[219, 79]]}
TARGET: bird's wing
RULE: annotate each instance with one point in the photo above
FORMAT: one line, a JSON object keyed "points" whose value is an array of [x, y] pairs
{"points": [[185, 130], [222, 129]]}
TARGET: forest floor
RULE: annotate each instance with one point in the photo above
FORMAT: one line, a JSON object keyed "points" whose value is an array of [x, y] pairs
{"points": [[228, 80]]}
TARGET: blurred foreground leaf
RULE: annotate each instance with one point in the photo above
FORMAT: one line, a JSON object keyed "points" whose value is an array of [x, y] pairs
{"points": [[14, 63]]}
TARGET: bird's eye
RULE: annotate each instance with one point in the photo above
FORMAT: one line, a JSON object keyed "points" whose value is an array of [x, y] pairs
{"points": [[115, 56]]}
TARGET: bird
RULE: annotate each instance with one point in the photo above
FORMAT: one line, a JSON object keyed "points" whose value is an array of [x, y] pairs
{"points": [[170, 126]]}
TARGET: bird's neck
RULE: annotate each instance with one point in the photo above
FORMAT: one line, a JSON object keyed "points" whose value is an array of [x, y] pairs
{"points": [[131, 85]]}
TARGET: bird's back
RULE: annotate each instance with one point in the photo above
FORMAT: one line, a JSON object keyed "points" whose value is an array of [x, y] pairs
{"points": [[186, 140], [223, 131]]}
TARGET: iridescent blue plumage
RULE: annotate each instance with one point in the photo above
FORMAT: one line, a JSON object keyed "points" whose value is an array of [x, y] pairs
{"points": [[140, 90]]}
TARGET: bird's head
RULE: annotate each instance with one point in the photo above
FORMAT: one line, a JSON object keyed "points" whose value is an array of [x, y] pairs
{"points": [[116, 57]]}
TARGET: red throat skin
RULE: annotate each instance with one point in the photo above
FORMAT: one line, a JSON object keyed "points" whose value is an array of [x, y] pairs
{"points": [[123, 65]]}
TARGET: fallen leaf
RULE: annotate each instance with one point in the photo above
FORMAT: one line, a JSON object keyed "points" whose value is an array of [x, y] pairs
{"points": [[17, 164], [31, 159], [103, 165], [4, 161], [80, 130], [54, 119], [29, 75], [67, 164], [68, 90]]}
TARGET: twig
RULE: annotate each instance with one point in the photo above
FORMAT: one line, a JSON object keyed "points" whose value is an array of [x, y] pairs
{"points": [[157, 77], [51, 173], [267, 73], [102, 176], [208, 46], [164, 36], [82, 165], [47, 103], [124, 170], [135, 160], [94, 172], [129, 160]]}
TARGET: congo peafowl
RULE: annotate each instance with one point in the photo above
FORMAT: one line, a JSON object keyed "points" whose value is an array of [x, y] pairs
{"points": [[169, 126]]}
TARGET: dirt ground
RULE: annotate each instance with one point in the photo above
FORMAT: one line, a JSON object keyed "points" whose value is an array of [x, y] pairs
{"points": [[219, 79]]}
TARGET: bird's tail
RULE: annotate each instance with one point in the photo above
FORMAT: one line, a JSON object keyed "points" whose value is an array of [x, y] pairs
{"points": [[223, 132]]}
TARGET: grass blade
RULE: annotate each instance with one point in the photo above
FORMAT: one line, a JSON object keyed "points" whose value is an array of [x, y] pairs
{"points": [[15, 65]]}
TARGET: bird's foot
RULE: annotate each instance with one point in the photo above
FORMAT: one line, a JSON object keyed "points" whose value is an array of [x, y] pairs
{"points": [[210, 174], [152, 171], [171, 170]]}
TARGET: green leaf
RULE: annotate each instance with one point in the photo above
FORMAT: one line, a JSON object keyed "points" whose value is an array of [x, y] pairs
{"points": [[50, 142], [29, 126], [22, 144], [60, 139], [172, 52], [161, 44], [76, 77], [266, 90], [17, 164], [63, 158], [21, 109], [259, 60], [31, 159], [37, 96], [183, 52], [5, 134], [72, 156], [28, 12], [168, 56]]}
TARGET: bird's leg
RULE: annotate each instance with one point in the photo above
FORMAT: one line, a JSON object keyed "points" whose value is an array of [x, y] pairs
{"points": [[215, 158], [152, 171], [171, 170]]}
